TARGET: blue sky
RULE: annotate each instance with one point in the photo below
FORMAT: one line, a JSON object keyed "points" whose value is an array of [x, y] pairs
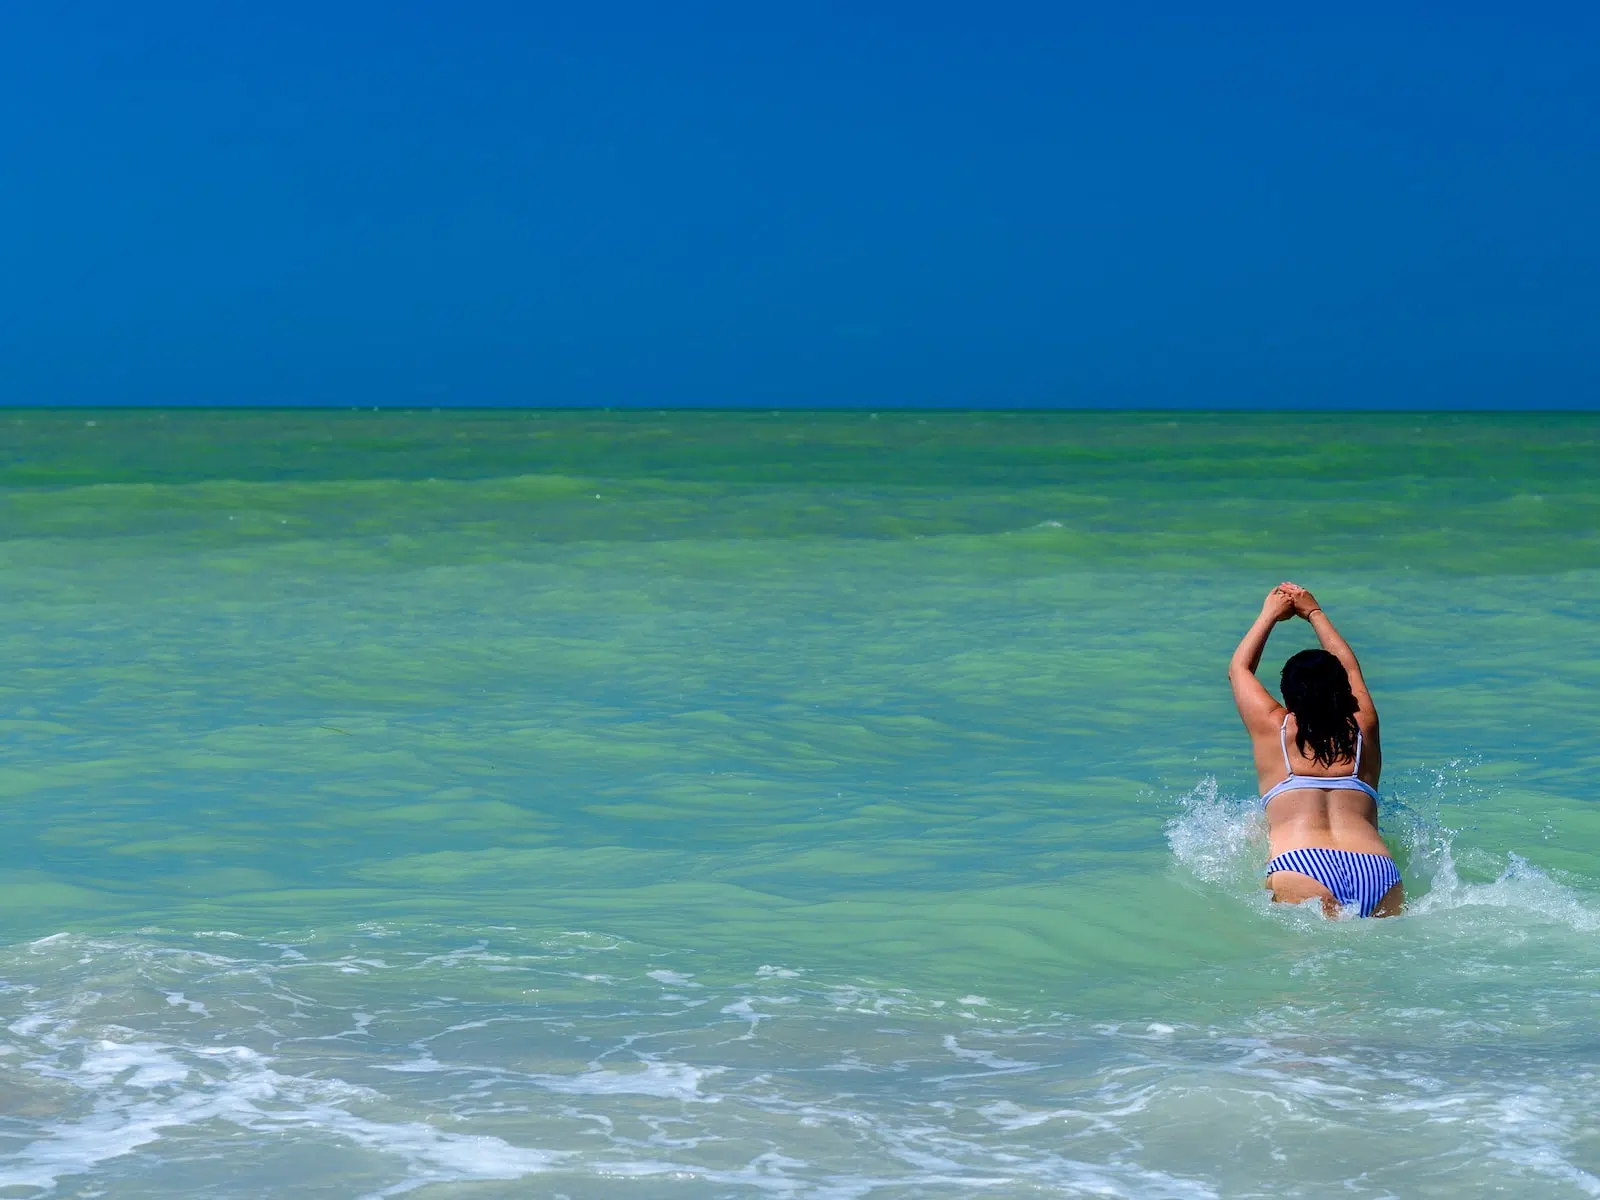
{"points": [[693, 204]]}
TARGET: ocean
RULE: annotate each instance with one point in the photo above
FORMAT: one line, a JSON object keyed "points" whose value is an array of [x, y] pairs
{"points": [[839, 804]]}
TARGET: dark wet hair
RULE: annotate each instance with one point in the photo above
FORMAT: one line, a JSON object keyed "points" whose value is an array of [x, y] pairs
{"points": [[1316, 690]]}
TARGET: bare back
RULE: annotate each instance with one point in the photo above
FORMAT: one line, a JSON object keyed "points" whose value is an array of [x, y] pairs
{"points": [[1303, 818], [1337, 820]]}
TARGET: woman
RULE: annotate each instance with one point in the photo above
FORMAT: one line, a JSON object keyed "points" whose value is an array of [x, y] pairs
{"points": [[1317, 761]]}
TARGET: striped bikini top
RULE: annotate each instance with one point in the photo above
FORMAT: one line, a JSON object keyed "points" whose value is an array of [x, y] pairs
{"points": [[1331, 783]]}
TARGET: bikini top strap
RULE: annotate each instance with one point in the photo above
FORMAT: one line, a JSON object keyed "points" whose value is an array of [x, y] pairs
{"points": [[1283, 741], [1356, 770]]}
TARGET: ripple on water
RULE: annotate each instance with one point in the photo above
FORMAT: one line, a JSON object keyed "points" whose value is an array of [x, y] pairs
{"points": [[474, 1058]]}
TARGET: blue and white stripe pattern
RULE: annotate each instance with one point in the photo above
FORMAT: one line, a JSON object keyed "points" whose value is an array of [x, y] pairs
{"points": [[1352, 877]]}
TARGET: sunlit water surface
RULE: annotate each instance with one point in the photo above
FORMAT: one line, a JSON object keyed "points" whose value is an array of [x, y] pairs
{"points": [[804, 805]]}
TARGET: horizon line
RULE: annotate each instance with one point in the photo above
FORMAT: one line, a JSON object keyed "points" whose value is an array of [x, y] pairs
{"points": [[794, 409]]}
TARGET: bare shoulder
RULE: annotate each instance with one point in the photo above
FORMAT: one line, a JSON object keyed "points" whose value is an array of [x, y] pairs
{"points": [[1264, 718], [1257, 706]]}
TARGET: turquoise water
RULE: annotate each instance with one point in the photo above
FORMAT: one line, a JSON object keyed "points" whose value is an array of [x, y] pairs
{"points": [[792, 805]]}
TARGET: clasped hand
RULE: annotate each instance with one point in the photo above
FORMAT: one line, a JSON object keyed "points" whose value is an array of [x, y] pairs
{"points": [[1289, 600]]}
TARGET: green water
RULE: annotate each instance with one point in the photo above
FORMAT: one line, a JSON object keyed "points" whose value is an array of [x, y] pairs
{"points": [[835, 804]]}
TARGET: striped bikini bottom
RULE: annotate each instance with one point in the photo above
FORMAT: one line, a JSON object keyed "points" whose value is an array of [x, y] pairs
{"points": [[1360, 879]]}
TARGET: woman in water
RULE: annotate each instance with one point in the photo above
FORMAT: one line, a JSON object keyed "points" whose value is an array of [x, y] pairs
{"points": [[1317, 760]]}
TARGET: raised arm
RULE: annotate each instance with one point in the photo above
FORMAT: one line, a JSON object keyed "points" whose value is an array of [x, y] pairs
{"points": [[1256, 706], [1305, 605]]}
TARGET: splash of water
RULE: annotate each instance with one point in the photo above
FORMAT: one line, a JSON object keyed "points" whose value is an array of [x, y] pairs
{"points": [[1222, 841]]}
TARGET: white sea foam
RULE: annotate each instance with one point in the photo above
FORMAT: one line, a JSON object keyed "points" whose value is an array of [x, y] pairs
{"points": [[903, 1093], [1221, 841], [142, 1090], [670, 1081], [743, 1009], [1521, 890], [994, 1063], [673, 978]]}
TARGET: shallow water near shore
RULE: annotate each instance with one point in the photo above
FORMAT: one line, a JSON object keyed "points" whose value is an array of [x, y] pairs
{"points": [[815, 805]]}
